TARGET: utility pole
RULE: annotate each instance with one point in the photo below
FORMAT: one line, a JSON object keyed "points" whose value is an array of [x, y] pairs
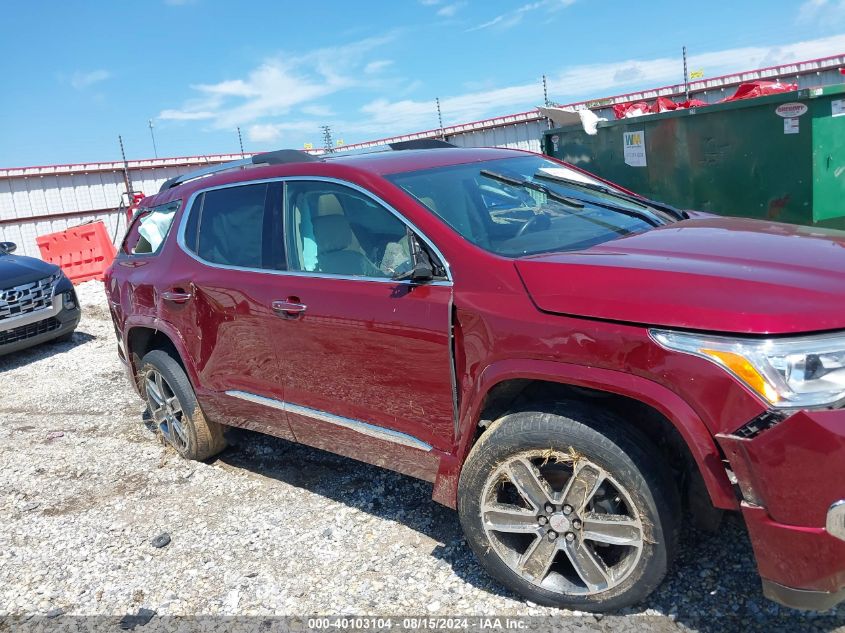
{"points": [[153, 136], [126, 179], [439, 118], [240, 140], [327, 138], [686, 74], [546, 101]]}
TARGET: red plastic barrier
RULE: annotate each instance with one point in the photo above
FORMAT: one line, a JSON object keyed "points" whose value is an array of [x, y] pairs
{"points": [[82, 252]]}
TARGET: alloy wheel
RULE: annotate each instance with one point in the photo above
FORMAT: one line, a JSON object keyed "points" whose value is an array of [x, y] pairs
{"points": [[561, 522], [166, 409]]}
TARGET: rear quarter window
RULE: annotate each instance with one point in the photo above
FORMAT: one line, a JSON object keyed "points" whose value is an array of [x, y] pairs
{"points": [[150, 228]]}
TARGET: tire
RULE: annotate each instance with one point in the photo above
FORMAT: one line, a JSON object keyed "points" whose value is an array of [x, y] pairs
{"points": [[183, 425], [572, 447]]}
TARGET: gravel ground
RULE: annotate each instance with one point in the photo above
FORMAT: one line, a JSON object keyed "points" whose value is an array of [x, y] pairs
{"points": [[269, 528]]}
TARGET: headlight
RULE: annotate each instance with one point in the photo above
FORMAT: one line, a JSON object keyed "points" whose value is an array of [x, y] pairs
{"points": [[69, 299], [788, 373]]}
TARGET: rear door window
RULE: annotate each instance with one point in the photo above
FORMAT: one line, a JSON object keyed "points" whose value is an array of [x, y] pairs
{"points": [[148, 231], [240, 227]]}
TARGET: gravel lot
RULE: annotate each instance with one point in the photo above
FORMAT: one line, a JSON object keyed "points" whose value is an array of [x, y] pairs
{"points": [[268, 528]]}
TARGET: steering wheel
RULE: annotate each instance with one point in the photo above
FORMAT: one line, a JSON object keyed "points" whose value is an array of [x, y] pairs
{"points": [[539, 222]]}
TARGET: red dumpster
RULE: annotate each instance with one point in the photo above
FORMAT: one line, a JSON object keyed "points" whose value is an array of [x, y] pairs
{"points": [[82, 252]]}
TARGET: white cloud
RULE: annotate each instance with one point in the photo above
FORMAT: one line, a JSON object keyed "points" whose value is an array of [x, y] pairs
{"points": [[581, 82], [272, 132], [263, 133], [512, 18], [232, 88], [81, 80], [317, 110], [411, 86], [277, 85], [829, 11], [809, 8], [430, 3], [450, 10], [261, 104], [181, 115], [377, 66]]}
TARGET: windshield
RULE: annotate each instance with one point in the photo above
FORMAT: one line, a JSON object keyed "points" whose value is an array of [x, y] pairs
{"points": [[529, 205]]}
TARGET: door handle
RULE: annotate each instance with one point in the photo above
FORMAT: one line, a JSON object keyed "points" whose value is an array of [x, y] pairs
{"points": [[176, 296], [289, 308]]}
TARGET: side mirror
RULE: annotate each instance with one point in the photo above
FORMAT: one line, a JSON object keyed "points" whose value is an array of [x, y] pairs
{"points": [[421, 272], [8, 247]]}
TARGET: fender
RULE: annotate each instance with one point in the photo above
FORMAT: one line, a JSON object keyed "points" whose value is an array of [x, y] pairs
{"points": [[159, 325], [673, 407]]}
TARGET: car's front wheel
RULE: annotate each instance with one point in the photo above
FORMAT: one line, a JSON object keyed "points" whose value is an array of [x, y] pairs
{"points": [[570, 508], [174, 408]]}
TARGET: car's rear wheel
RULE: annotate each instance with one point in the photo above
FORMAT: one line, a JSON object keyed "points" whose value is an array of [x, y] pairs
{"points": [[174, 408], [571, 508]]}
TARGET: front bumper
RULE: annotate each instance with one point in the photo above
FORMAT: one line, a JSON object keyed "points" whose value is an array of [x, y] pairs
{"points": [[791, 477], [801, 598], [801, 567], [38, 327]]}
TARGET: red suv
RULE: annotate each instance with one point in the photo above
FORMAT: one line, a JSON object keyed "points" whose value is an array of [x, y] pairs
{"points": [[569, 364]]}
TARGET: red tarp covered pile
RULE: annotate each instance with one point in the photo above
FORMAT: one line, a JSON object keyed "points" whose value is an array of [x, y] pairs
{"points": [[760, 89], [663, 104], [747, 90]]}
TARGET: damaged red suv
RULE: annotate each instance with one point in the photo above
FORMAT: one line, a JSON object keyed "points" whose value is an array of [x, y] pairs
{"points": [[570, 364]]}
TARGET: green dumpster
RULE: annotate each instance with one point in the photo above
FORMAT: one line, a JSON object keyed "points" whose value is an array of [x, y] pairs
{"points": [[779, 157]]}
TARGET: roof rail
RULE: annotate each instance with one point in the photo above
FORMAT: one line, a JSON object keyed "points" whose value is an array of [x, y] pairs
{"points": [[278, 157], [424, 143], [420, 143], [282, 156]]}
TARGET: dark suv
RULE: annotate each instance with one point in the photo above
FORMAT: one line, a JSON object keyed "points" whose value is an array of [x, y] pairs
{"points": [[569, 364], [37, 302]]}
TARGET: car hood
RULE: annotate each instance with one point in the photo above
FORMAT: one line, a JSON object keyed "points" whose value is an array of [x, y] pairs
{"points": [[16, 270], [709, 273]]}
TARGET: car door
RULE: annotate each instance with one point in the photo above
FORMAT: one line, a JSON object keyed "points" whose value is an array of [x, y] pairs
{"points": [[366, 358], [234, 233]]}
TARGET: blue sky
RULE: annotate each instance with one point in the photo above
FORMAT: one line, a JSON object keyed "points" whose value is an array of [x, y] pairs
{"points": [[77, 74]]}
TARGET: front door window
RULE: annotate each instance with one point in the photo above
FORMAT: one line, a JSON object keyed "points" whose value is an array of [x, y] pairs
{"points": [[335, 230]]}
